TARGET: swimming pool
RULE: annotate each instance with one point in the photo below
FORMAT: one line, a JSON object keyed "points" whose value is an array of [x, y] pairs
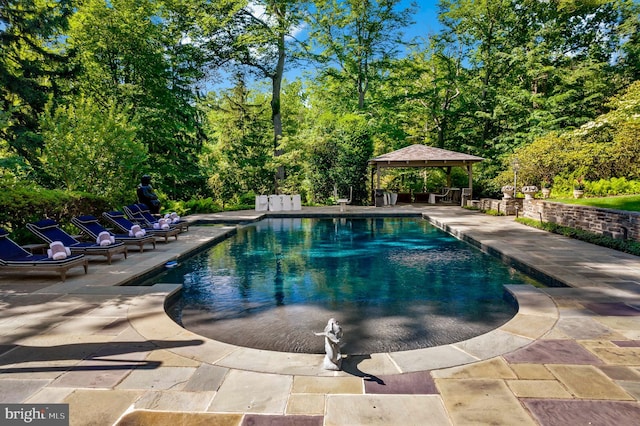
{"points": [[394, 284]]}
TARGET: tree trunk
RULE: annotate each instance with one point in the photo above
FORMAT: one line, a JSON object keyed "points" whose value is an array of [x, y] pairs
{"points": [[276, 116]]}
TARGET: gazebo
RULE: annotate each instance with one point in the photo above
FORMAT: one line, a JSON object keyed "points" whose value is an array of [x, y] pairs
{"points": [[425, 156]]}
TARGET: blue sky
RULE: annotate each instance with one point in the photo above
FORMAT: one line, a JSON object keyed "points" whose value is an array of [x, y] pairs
{"points": [[426, 18]]}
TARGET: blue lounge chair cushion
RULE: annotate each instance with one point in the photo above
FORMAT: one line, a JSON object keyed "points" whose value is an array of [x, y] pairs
{"points": [[11, 254], [9, 249]]}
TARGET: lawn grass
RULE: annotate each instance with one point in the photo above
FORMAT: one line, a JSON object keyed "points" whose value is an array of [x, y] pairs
{"points": [[621, 202]]}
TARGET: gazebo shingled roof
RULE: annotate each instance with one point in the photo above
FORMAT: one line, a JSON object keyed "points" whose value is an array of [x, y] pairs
{"points": [[423, 156]]}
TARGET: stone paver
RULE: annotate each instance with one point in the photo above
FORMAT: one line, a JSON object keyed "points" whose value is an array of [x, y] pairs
{"points": [[553, 352], [174, 378], [538, 389], [98, 407], [163, 418], [570, 356], [551, 412], [294, 420], [249, 392], [175, 401], [327, 385], [15, 390], [494, 368], [586, 381], [531, 372], [372, 410], [306, 403], [482, 401], [409, 383]]}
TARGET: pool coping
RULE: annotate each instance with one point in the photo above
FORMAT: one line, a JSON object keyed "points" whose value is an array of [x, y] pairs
{"points": [[537, 314]]}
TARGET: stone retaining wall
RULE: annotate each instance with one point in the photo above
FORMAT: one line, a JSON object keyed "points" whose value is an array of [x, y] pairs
{"points": [[611, 223], [508, 206]]}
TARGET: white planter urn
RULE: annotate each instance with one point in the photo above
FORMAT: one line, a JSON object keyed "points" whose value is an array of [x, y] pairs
{"points": [[507, 192], [546, 192], [529, 191]]}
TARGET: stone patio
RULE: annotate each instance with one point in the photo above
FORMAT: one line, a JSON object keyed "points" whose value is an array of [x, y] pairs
{"points": [[570, 356]]}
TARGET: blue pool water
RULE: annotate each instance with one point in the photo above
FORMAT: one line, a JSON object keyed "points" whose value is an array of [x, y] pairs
{"points": [[393, 284]]}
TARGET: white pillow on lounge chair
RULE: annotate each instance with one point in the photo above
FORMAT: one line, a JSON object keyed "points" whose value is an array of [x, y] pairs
{"points": [[162, 224], [172, 217], [105, 239], [137, 231], [57, 251]]}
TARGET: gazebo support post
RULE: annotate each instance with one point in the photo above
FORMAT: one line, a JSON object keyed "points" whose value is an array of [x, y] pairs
{"points": [[373, 190], [470, 175]]}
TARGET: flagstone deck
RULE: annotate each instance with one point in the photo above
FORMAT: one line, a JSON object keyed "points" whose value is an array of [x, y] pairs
{"points": [[570, 356]]}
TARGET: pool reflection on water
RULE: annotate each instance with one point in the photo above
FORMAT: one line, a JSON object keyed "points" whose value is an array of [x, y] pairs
{"points": [[394, 284]]}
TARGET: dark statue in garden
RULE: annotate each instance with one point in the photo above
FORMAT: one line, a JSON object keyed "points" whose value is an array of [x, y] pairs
{"points": [[147, 196]]}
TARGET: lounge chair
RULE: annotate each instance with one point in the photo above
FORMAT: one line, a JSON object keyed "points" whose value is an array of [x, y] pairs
{"points": [[275, 203], [433, 198], [49, 231], [262, 203], [120, 221], [15, 258], [90, 226], [140, 213]]}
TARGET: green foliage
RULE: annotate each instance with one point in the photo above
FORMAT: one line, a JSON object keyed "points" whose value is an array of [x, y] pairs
{"points": [[339, 156], [626, 246], [500, 78], [132, 51], [92, 149], [239, 157], [29, 203], [532, 69], [34, 66], [356, 41], [193, 206], [244, 201], [606, 148], [613, 186]]}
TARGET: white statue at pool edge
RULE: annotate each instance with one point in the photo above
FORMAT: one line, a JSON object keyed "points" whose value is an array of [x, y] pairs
{"points": [[332, 334]]}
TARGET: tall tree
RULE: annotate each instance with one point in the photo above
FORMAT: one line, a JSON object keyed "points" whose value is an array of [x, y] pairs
{"points": [[533, 66], [356, 40], [33, 68], [239, 151], [131, 52], [258, 38], [434, 101]]}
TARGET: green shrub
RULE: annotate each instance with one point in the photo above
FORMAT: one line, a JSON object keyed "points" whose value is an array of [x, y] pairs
{"points": [[613, 186], [563, 187], [627, 246], [200, 205], [26, 203]]}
